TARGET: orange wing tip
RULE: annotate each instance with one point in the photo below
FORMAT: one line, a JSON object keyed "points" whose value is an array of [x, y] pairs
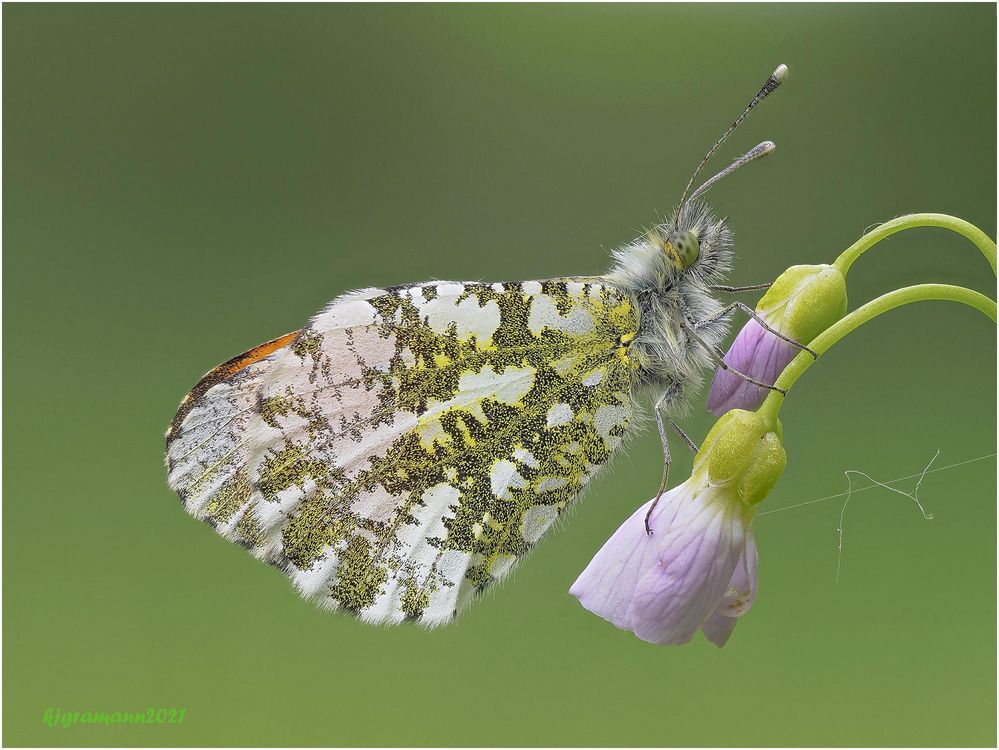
{"points": [[226, 370]]}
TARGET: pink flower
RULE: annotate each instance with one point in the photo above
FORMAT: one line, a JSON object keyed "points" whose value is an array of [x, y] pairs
{"points": [[697, 570]]}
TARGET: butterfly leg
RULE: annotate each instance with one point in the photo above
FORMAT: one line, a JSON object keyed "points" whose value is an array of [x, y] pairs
{"points": [[719, 357], [667, 458], [683, 436], [737, 289], [729, 309]]}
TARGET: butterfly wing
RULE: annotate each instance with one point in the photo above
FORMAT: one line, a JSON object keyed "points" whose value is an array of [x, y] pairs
{"points": [[407, 447]]}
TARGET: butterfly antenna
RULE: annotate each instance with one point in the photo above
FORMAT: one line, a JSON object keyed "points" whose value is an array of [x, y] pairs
{"points": [[767, 147], [771, 84]]}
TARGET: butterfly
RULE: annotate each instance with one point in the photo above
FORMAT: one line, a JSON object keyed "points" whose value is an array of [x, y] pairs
{"points": [[408, 446]]}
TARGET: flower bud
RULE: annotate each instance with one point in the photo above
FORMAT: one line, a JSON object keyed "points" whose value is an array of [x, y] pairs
{"points": [[801, 304]]}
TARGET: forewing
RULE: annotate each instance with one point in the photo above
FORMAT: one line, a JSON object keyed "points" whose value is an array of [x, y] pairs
{"points": [[411, 444]]}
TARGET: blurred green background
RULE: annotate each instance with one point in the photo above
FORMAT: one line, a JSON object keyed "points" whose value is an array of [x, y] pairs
{"points": [[183, 182]]}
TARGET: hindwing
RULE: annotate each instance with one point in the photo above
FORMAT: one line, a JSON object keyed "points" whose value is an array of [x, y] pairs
{"points": [[410, 445]]}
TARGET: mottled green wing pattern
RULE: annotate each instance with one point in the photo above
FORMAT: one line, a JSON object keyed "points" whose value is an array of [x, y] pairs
{"points": [[412, 444]]}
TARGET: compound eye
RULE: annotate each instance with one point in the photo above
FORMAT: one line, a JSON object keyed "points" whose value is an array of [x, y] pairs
{"points": [[686, 246]]}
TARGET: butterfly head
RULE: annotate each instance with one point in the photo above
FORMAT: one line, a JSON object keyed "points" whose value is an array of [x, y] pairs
{"points": [[691, 243], [684, 248]]}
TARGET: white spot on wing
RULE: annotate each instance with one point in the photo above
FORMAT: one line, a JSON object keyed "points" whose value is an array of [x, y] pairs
{"points": [[525, 456], [606, 418], [315, 581], [348, 314], [502, 477], [544, 314], [469, 318], [376, 504], [559, 414], [437, 502]]}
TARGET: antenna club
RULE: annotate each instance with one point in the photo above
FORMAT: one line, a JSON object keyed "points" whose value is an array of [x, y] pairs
{"points": [[756, 152], [771, 84]]}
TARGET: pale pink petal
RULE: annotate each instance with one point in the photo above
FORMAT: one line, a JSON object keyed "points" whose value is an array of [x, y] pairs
{"points": [[718, 629], [607, 585], [738, 598], [698, 554], [741, 592]]}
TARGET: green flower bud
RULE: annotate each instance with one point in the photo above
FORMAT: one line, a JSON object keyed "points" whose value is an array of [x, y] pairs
{"points": [[804, 301]]}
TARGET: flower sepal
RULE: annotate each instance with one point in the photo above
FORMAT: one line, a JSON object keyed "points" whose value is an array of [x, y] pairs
{"points": [[804, 301], [743, 453]]}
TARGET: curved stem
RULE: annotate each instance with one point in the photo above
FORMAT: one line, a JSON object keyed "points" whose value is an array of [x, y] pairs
{"points": [[822, 342], [962, 227]]}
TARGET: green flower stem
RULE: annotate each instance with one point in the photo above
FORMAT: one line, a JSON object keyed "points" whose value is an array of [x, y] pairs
{"points": [[822, 342], [973, 233]]}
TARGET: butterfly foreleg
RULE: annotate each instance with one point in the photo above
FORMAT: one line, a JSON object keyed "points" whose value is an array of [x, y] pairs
{"points": [[729, 309], [736, 289], [719, 358], [667, 457]]}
